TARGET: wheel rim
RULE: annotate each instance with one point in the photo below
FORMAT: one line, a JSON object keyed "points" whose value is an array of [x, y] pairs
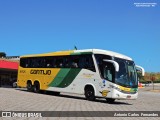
{"points": [[36, 88], [90, 95]]}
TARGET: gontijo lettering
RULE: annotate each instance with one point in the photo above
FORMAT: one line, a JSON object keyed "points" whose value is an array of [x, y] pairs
{"points": [[41, 72]]}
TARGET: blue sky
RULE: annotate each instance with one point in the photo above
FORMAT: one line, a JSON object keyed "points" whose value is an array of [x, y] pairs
{"points": [[40, 26]]}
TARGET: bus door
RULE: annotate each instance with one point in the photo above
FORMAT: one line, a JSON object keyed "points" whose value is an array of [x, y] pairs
{"points": [[108, 75]]}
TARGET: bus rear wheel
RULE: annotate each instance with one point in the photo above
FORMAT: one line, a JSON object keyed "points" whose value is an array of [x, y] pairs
{"points": [[29, 86], [36, 87], [89, 94]]}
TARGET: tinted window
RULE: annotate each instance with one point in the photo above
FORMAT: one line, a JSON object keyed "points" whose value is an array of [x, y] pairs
{"points": [[73, 61], [104, 69]]}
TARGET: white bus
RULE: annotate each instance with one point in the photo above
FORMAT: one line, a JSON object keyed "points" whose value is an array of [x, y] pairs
{"points": [[90, 72]]}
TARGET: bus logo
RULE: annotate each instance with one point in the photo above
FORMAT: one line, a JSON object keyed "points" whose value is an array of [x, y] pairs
{"points": [[41, 72]]}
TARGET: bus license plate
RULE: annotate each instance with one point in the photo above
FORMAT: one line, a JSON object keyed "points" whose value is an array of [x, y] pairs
{"points": [[128, 96]]}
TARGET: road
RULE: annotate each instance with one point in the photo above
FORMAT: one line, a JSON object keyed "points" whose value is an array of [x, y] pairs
{"points": [[13, 99]]}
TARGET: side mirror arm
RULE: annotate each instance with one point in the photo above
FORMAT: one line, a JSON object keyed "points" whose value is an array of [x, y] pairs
{"points": [[116, 65], [142, 69]]}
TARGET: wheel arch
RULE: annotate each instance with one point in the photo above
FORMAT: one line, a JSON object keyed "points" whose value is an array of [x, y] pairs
{"points": [[29, 81], [91, 85], [37, 81]]}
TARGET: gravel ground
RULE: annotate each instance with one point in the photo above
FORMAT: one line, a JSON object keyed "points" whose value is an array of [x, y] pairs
{"points": [[12, 99]]}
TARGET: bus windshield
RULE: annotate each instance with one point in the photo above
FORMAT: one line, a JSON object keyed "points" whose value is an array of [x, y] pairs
{"points": [[126, 76]]}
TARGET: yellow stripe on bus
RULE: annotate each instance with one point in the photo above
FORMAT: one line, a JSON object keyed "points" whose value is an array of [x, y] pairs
{"points": [[44, 80], [125, 89], [51, 54]]}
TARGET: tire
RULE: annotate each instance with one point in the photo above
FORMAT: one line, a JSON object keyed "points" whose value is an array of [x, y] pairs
{"points": [[110, 100], [29, 87], [89, 94], [36, 87]]}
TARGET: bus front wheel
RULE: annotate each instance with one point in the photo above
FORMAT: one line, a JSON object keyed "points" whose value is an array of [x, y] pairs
{"points": [[89, 94]]}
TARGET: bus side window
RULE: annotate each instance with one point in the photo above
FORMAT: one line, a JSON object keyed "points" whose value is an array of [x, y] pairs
{"points": [[108, 73], [66, 62], [38, 62], [75, 61], [33, 63], [90, 63], [29, 63], [59, 62], [100, 63], [53, 65], [87, 62], [24, 62], [48, 62], [74, 65]]}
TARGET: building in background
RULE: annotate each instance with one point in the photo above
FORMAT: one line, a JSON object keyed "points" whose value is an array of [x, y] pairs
{"points": [[8, 70]]}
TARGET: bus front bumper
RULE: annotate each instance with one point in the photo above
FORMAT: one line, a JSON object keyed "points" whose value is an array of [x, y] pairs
{"points": [[127, 96]]}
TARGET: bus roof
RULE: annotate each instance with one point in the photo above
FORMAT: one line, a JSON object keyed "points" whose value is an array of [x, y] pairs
{"points": [[78, 52], [105, 52]]}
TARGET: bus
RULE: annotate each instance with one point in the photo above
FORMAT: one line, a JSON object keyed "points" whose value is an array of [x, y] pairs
{"points": [[94, 73]]}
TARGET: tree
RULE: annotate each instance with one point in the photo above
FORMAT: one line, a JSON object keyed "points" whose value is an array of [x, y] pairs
{"points": [[140, 77], [2, 54]]}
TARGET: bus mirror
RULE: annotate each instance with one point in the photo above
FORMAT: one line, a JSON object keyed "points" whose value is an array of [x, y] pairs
{"points": [[141, 68], [116, 65]]}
